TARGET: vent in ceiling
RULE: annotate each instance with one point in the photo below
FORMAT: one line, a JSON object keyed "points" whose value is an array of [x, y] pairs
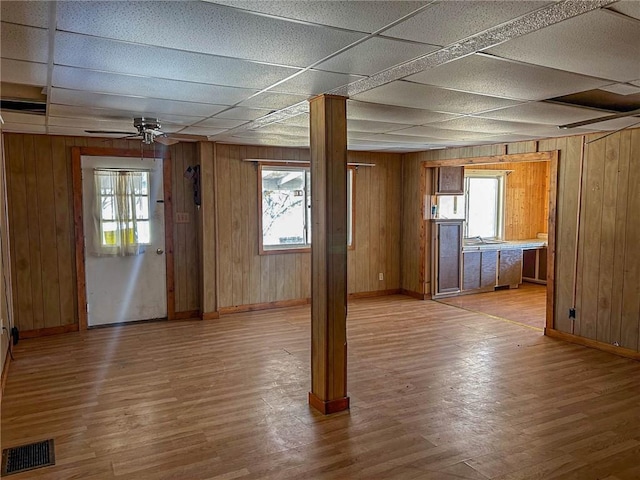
{"points": [[23, 106], [601, 100]]}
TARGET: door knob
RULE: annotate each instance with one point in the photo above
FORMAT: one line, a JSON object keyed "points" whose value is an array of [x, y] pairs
{"points": [[159, 251]]}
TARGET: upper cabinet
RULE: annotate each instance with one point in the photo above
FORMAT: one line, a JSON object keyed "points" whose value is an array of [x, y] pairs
{"points": [[449, 181]]}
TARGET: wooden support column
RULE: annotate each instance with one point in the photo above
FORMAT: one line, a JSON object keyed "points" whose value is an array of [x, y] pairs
{"points": [[329, 254]]}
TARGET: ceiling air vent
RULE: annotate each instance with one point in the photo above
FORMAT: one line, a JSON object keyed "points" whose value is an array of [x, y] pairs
{"points": [[23, 106], [602, 100]]}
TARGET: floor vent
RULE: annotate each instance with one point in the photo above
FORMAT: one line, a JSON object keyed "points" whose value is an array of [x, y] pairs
{"points": [[27, 457]]}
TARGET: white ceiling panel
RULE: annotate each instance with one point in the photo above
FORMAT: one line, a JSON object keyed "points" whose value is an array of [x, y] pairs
{"points": [[123, 125], [206, 28], [599, 44], [278, 128], [243, 113], [502, 78], [373, 127], [388, 113], [84, 112], [314, 82], [431, 132], [23, 118], [543, 112], [221, 123], [270, 140], [23, 127], [445, 22], [375, 55], [26, 73], [35, 14], [112, 56], [273, 101], [24, 43], [395, 138], [614, 124], [407, 94], [146, 106], [485, 125], [630, 8], [101, 82], [363, 16], [205, 132]]}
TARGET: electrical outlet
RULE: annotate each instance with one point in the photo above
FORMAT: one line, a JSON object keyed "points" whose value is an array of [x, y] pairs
{"points": [[572, 313], [381, 276]]}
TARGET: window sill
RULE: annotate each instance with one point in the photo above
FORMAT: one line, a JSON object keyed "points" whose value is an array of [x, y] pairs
{"points": [[281, 250]]}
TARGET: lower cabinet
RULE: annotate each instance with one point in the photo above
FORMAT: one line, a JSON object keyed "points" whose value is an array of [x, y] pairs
{"points": [[509, 267], [479, 270], [534, 265]]}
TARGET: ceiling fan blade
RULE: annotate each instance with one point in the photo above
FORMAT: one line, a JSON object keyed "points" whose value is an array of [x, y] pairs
{"points": [[166, 140], [111, 132], [187, 137], [599, 119]]}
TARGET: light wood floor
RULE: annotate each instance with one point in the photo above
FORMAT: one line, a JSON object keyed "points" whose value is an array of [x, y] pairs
{"points": [[526, 304], [437, 393]]}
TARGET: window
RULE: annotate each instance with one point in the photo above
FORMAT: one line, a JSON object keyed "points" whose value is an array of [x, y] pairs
{"points": [[122, 213], [484, 203], [286, 207]]}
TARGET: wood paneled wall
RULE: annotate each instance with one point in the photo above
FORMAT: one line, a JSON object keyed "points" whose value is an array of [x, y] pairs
{"points": [[41, 228], [6, 309], [526, 198], [247, 278]]}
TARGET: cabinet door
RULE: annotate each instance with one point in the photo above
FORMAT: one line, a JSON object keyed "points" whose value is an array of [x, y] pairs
{"points": [[449, 252], [489, 267], [510, 267], [542, 264], [471, 270], [450, 181], [529, 262]]}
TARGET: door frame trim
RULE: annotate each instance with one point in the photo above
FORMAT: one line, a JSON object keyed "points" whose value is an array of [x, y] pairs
{"points": [[76, 170]]}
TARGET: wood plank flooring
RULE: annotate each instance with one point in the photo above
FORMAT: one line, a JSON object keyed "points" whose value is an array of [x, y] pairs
{"points": [[525, 304], [436, 392]]}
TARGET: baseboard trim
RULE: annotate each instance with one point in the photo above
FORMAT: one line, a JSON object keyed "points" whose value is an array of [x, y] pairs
{"points": [[419, 296], [374, 293], [209, 315], [5, 373], [587, 342], [45, 332], [251, 307], [187, 315], [327, 407]]}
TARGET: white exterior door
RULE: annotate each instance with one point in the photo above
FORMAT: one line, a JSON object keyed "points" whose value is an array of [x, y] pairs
{"points": [[124, 287]]}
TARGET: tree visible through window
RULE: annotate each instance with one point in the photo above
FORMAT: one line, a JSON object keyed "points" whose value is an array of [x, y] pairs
{"points": [[122, 201], [286, 207]]}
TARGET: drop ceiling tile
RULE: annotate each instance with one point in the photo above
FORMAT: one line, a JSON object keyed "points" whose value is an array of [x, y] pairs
{"points": [[221, 123], [273, 101], [142, 105], [631, 8], [598, 44], [243, 113], [375, 55], [544, 113], [431, 132], [397, 139], [34, 14], [363, 16], [84, 112], [123, 125], [206, 28], [101, 82], [26, 73], [301, 120], [373, 127], [203, 131], [407, 94], [23, 128], [315, 82], [388, 113], [501, 78], [119, 57], [277, 129], [485, 125], [22, 118], [445, 22], [615, 124], [24, 43], [269, 140]]}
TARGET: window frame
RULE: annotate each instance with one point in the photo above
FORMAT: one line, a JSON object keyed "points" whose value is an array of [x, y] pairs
{"points": [[501, 177], [303, 248]]}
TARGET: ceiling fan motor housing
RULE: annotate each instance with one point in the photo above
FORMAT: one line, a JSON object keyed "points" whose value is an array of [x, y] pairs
{"points": [[148, 128]]}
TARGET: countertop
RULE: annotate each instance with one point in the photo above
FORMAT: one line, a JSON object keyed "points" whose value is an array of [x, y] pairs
{"points": [[508, 245]]}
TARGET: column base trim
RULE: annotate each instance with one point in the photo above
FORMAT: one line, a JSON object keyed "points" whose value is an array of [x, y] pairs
{"points": [[327, 407]]}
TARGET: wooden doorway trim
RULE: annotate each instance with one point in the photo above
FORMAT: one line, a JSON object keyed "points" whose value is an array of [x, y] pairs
{"points": [[76, 170], [552, 157]]}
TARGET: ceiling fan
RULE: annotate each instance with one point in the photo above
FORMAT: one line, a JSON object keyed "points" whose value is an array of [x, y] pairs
{"points": [[150, 131]]}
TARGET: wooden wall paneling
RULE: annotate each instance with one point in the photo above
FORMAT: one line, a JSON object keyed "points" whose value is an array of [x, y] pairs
{"points": [[190, 158], [393, 221], [223, 187], [254, 232], [20, 257], [179, 232], [208, 219], [64, 227], [590, 241], [548, 255], [413, 225], [168, 235], [236, 202], [81, 288], [619, 249], [47, 233], [629, 337], [607, 237], [33, 218]]}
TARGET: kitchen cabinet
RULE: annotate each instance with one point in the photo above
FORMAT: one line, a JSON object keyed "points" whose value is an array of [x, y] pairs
{"points": [[479, 270], [449, 181], [534, 265], [447, 255], [510, 267]]}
